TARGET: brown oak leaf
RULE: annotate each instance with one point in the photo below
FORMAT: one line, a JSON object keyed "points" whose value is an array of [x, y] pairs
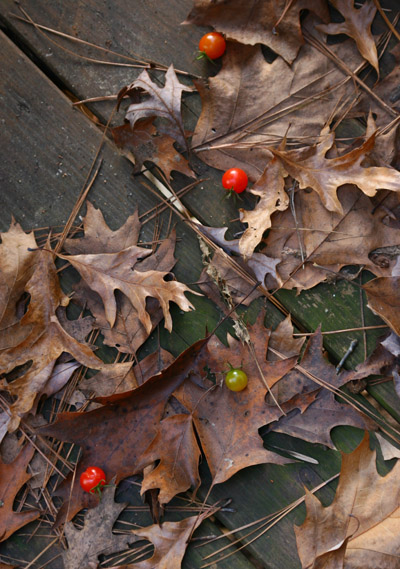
{"points": [[128, 332], [12, 477], [357, 24], [170, 541], [270, 188], [329, 239], [315, 422], [384, 299], [275, 23], [227, 422], [163, 102], [283, 341], [176, 449], [239, 123], [146, 144], [116, 435], [44, 340], [361, 526], [99, 238], [17, 259], [107, 272], [312, 169], [95, 538]]}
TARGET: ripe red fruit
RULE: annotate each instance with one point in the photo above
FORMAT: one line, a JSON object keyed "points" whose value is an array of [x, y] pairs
{"points": [[92, 479], [212, 45], [235, 179]]}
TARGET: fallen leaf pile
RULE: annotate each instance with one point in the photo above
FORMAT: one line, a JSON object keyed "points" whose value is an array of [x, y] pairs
{"points": [[321, 202]]}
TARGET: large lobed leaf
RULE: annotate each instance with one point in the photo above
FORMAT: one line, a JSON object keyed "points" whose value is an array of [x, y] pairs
{"points": [[275, 23], [361, 528]]}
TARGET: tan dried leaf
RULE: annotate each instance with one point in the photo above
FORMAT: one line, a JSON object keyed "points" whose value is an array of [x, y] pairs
{"points": [[310, 167], [107, 272], [270, 188], [44, 339], [95, 538], [145, 144], [170, 541], [250, 103], [384, 299], [330, 239], [357, 24], [12, 477], [275, 23], [17, 259], [283, 341], [227, 422], [361, 528], [175, 447], [99, 238], [163, 102]]}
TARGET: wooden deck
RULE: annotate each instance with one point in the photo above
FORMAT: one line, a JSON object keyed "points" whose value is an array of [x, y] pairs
{"points": [[48, 147]]}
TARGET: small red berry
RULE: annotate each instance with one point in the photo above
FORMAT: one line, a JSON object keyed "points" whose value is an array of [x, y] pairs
{"points": [[235, 179]]}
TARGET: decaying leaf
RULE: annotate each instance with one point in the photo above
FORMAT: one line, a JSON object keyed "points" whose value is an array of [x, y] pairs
{"points": [[105, 434], [357, 24], [96, 537], [107, 272], [384, 299], [12, 477], [275, 23], [177, 452], [163, 102], [361, 526], [314, 422], [282, 339], [170, 541], [128, 332], [146, 144], [44, 340], [329, 239], [227, 422], [310, 167], [239, 122], [99, 238], [270, 188], [17, 259]]}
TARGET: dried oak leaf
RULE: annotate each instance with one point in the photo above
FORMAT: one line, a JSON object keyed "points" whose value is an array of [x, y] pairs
{"points": [[238, 122], [315, 422], [146, 144], [44, 340], [17, 259], [163, 102], [384, 299], [361, 527], [357, 24], [310, 167], [12, 477], [170, 541], [128, 332], [107, 272], [283, 341], [96, 537], [177, 454], [275, 23], [270, 188], [227, 422], [329, 239], [99, 238], [116, 435]]}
